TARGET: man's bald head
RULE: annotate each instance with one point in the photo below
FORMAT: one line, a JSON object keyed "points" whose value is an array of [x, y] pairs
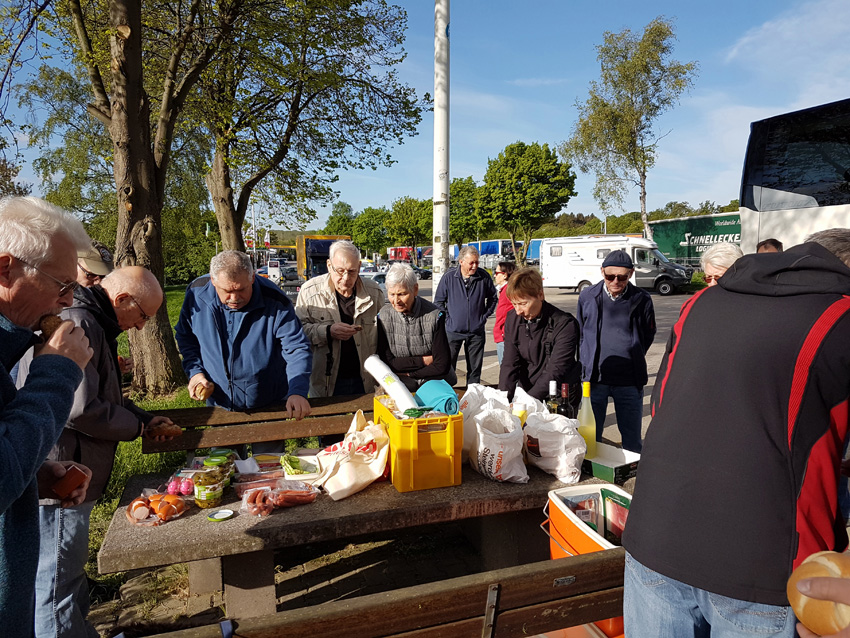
{"points": [[135, 294]]}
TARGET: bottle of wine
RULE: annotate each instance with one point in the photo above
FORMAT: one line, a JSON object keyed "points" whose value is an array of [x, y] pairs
{"points": [[552, 401], [586, 421], [564, 406]]}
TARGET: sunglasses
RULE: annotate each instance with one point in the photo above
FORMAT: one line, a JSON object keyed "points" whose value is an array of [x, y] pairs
{"points": [[64, 286], [89, 275], [620, 278]]}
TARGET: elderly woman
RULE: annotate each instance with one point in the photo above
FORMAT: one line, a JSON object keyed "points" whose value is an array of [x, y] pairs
{"points": [[412, 332], [716, 260], [541, 341]]}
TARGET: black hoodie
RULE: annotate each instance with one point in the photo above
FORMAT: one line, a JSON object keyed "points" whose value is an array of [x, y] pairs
{"points": [[738, 480]]}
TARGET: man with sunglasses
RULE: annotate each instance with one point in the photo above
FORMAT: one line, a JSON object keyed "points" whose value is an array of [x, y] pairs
{"points": [[93, 264], [617, 322], [100, 417]]}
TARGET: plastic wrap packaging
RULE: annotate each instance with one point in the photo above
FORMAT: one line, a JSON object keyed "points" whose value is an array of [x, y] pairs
{"points": [[390, 382]]}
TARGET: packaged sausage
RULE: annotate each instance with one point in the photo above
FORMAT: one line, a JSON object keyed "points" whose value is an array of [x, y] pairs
{"points": [[290, 493], [257, 502]]}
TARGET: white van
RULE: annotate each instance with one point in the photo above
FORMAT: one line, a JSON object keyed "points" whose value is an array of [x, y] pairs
{"points": [[576, 262]]}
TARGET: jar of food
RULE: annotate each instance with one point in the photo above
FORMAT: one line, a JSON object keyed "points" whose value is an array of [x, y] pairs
{"points": [[209, 488], [222, 465]]}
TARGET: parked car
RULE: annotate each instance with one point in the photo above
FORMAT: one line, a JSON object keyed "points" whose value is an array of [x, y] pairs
{"points": [[379, 278], [289, 273], [421, 273]]}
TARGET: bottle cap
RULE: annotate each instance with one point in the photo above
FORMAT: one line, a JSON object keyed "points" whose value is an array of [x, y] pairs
{"points": [[221, 515]]}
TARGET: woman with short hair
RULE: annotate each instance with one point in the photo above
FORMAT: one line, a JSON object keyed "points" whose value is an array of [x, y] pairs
{"points": [[412, 337], [541, 341], [502, 275], [716, 261]]}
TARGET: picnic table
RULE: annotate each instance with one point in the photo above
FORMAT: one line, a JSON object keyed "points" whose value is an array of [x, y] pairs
{"points": [[238, 554]]}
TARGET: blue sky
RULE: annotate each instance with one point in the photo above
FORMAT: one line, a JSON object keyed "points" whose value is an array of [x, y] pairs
{"points": [[516, 74]]}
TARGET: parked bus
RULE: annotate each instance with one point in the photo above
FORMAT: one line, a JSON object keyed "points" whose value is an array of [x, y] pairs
{"points": [[796, 177]]}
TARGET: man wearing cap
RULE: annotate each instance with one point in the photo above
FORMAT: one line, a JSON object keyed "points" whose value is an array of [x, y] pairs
{"points": [[617, 327], [93, 264]]}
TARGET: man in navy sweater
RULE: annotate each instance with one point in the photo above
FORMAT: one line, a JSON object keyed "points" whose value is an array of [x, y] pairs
{"points": [[617, 327], [468, 297]]}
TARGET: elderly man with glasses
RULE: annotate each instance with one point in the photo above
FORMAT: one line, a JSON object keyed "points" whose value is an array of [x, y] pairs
{"points": [[339, 311], [38, 248], [100, 418], [617, 322]]}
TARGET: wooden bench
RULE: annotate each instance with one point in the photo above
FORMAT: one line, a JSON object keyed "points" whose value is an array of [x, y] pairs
{"points": [[507, 603]]}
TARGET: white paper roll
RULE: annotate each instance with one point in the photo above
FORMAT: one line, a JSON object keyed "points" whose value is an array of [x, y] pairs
{"points": [[390, 383]]}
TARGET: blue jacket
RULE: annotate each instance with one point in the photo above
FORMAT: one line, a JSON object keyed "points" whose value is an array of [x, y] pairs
{"points": [[641, 324], [31, 420], [467, 310], [267, 360]]}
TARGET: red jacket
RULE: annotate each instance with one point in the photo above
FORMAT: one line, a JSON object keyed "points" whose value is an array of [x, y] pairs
{"points": [[502, 310]]}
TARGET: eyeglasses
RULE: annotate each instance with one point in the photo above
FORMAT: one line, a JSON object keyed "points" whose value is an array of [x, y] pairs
{"points": [[342, 272], [89, 275], [620, 278], [710, 278], [64, 286], [145, 316], [499, 272]]}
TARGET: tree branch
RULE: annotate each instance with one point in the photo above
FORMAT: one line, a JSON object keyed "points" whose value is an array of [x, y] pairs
{"points": [[101, 108]]}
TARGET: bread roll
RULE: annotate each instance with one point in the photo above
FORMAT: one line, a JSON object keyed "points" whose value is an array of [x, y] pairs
{"points": [[48, 324], [823, 617], [202, 392], [163, 429]]}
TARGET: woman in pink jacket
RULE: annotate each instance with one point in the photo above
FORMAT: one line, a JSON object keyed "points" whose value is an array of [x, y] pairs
{"points": [[503, 272]]}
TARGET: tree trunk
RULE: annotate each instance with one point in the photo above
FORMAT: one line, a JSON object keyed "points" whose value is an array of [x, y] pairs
{"points": [[139, 237], [520, 258], [220, 187], [646, 229]]}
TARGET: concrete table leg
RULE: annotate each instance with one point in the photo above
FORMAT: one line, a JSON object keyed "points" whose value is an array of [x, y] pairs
{"points": [[509, 539], [204, 576], [249, 589]]}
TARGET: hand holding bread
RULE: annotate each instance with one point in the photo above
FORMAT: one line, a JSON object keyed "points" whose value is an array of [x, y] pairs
{"points": [[65, 339], [822, 613], [200, 388]]}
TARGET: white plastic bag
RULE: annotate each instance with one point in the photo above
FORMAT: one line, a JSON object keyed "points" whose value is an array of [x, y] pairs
{"points": [[524, 401], [498, 451], [553, 444], [355, 463], [477, 398]]}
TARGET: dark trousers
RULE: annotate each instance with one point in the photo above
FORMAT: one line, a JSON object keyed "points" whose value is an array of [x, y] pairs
{"points": [[628, 407], [474, 348]]}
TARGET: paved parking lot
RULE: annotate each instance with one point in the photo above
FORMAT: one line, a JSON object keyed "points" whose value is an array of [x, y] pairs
{"points": [[666, 313]]}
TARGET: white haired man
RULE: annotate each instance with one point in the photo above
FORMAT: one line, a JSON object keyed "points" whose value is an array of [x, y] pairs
{"points": [[38, 253], [241, 340], [99, 419], [339, 311], [468, 297]]}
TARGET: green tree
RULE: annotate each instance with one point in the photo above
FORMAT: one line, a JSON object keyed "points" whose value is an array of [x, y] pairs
{"points": [[341, 220], [370, 232], [411, 222], [614, 135], [8, 180], [309, 89], [464, 222], [524, 188]]}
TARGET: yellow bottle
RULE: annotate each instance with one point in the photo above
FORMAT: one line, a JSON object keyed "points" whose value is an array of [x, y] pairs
{"points": [[586, 421]]}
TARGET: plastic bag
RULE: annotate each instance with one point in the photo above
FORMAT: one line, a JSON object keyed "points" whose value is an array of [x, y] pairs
{"points": [[257, 502], [290, 493], [553, 444], [477, 398], [355, 463], [498, 449], [524, 401]]}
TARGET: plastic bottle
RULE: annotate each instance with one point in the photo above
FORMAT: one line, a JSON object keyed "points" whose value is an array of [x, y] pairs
{"points": [[586, 421]]}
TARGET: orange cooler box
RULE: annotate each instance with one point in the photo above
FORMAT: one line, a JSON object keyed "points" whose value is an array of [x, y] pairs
{"points": [[424, 453], [571, 534]]}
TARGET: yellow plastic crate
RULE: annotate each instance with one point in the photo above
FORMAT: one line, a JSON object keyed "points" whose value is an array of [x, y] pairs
{"points": [[424, 453]]}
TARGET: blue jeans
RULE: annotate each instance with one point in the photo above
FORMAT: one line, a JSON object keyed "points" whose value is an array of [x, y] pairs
{"points": [[660, 607], [473, 343], [500, 351], [628, 406], [61, 589]]}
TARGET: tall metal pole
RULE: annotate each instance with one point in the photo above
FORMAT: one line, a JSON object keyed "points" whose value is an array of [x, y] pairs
{"points": [[441, 141]]}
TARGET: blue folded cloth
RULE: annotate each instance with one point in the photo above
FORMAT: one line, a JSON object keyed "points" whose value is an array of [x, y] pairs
{"points": [[439, 394]]}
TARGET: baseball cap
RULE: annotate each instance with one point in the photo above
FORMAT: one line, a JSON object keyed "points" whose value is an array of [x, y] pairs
{"points": [[96, 259]]}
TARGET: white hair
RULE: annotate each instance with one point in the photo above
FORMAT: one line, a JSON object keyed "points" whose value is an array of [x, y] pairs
{"points": [[466, 251], [231, 264], [721, 255], [344, 246], [29, 224], [401, 275]]}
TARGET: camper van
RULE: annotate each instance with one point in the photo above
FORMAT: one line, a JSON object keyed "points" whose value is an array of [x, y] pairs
{"points": [[576, 262]]}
